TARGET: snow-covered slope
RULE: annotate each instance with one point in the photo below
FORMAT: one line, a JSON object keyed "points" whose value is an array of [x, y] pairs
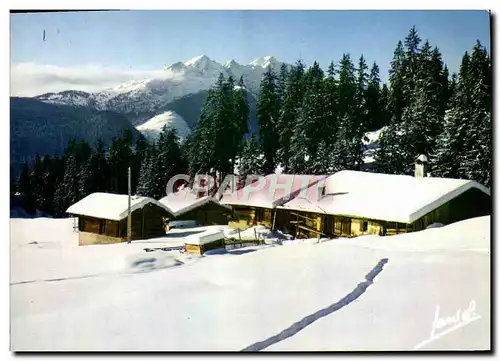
{"points": [[153, 127], [138, 98], [426, 290], [371, 144]]}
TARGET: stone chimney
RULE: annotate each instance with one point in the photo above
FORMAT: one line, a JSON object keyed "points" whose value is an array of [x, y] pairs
{"points": [[422, 166]]}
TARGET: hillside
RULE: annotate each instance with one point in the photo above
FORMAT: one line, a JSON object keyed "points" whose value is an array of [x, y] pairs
{"points": [[152, 128], [366, 293], [38, 127]]}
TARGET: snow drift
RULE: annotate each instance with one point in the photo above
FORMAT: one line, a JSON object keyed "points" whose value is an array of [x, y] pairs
{"points": [[367, 293]]}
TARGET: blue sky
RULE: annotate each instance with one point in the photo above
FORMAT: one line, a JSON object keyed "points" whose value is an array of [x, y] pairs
{"points": [[151, 39]]}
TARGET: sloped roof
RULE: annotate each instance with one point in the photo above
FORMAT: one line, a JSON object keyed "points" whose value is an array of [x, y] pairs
{"points": [[276, 190], [184, 200], [110, 206], [396, 198]]}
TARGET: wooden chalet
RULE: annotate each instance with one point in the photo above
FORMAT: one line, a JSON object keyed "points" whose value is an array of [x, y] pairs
{"points": [[256, 203], [102, 218], [185, 204], [358, 203], [354, 203]]}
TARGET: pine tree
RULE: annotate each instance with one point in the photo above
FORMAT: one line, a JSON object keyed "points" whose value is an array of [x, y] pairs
{"points": [[241, 112], [451, 144], [423, 118], [100, 168], [68, 191], [389, 157], [49, 181], [448, 150], [452, 88], [37, 184], [331, 122], [267, 115], [24, 186], [412, 51], [120, 159], [308, 132], [294, 93], [139, 153], [148, 183], [385, 118], [476, 162], [346, 153], [374, 106], [281, 84], [397, 99], [168, 157], [85, 178], [251, 160], [201, 143]]}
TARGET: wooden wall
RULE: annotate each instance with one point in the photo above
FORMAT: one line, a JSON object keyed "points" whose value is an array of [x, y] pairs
{"points": [[147, 222], [208, 214], [245, 217], [87, 238], [470, 204], [360, 226]]}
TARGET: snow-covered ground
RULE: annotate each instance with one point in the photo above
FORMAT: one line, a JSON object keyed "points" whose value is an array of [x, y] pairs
{"points": [[371, 144], [308, 296], [154, 126]]}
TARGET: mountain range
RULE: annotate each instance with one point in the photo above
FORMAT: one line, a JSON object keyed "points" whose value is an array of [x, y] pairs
{"points": [[43, 124], [139, 100]]}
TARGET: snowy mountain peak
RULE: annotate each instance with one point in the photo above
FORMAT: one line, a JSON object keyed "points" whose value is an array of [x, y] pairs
{"points": [[201, 61], [264, 61], [177, 66], [231, 64]]}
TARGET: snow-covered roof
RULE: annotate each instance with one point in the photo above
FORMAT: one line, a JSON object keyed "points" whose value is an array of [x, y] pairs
{"points": [[111, 206], [422, 158], [275, 190], [396, 198], [185, 200]]}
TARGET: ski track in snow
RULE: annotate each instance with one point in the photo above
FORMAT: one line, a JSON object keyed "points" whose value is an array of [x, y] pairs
{"points": [[308, 320]]}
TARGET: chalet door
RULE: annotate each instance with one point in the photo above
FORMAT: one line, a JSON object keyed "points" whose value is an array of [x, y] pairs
{"points": [[346, 226]]}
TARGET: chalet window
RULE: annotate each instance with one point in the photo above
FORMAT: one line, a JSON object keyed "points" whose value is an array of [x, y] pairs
{"points": [[365, 226]]}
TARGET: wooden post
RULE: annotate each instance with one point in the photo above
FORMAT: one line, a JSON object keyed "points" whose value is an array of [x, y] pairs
{"points": [[296, 227], [274, 219], [129, 217]]}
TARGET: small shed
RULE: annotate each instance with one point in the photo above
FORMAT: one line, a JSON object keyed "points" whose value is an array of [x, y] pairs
{"points": [[102, 218]]}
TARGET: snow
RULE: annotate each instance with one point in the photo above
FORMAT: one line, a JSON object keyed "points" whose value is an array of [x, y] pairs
{"points": [[264, 61], [297, 293], [371, 141], [372, 195], [154, 126], [185, 200], [274, 190], [198, 61], [110, 206], [176, 81], [205, 237], [258, 232]]}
